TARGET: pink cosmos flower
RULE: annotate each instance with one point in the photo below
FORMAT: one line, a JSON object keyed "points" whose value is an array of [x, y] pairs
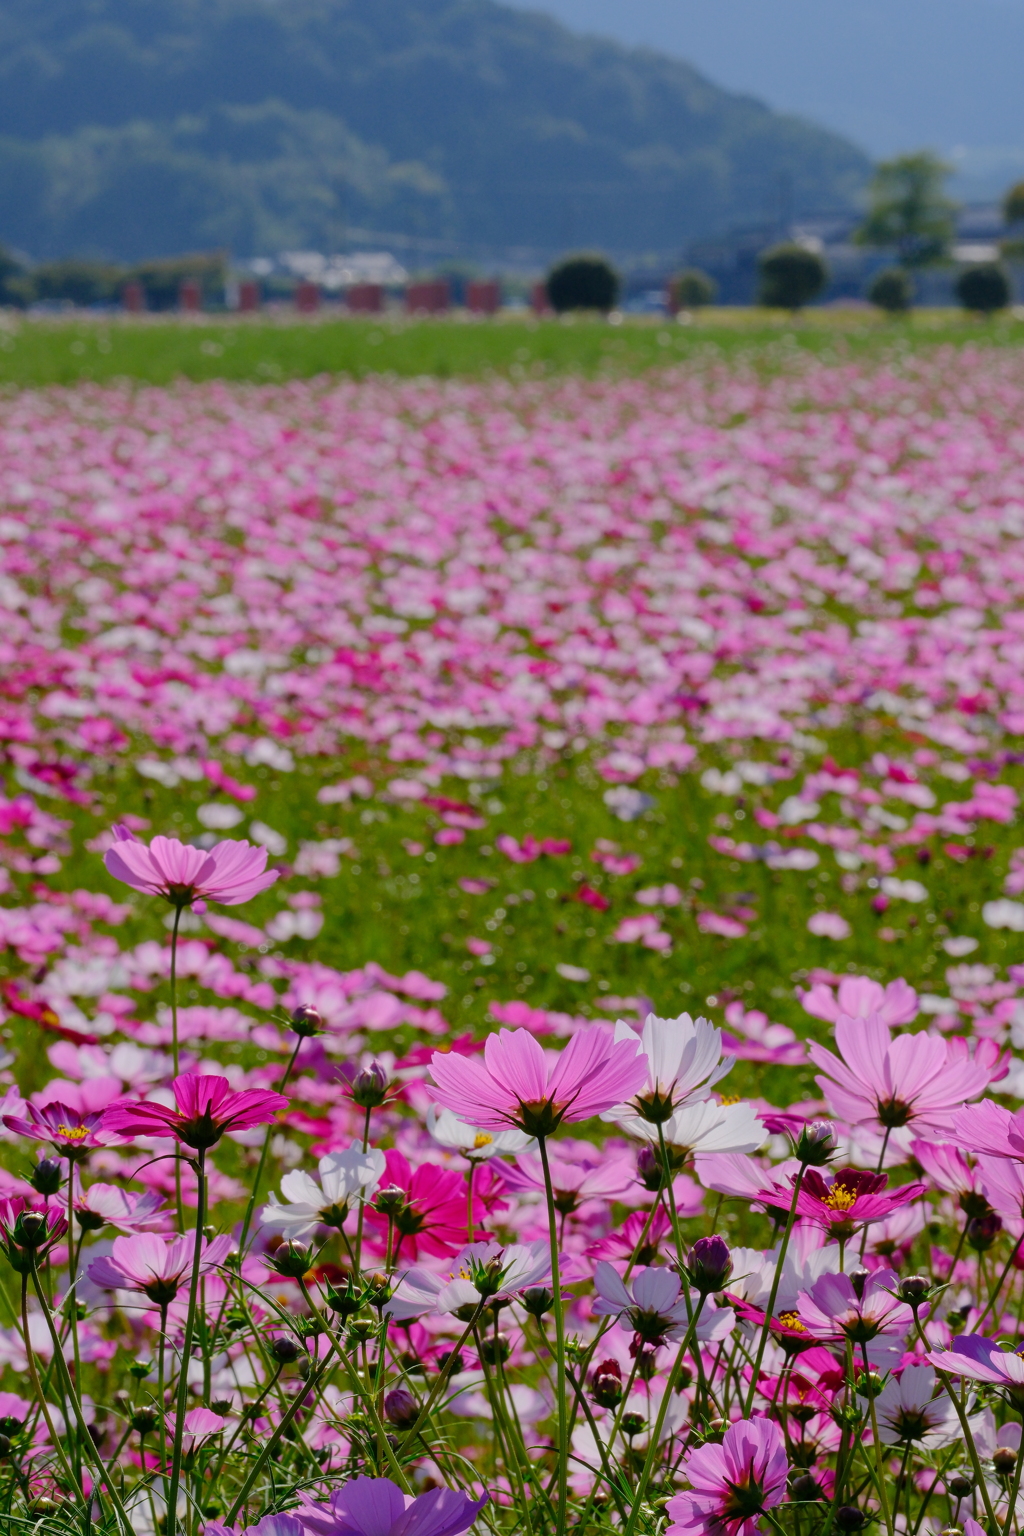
{"points": [[270, 1525], [842, 1199], [206, 1107], [69, 1132], [375, 1506], [859, 996], [653, 1307], [731, 1484], [894, 1081], [980, 1359], [200, 1425], [27, 1226], [516, 1083], [990, 1129], [230, 872], [427, 1207], [837, 1308], [828, 925], [154, 1266], [104, 1204]]}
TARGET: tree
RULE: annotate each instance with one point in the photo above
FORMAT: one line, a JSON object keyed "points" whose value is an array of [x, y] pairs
{"points": [[12, 279], [691, 289], [790, 276], [983, 288], [583, 282], [1013, 204], [892, 290], [908, 208]]}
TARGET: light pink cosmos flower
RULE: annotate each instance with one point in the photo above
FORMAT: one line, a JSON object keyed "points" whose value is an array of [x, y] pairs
{"points": [[270, 1525], [653, 1307], [973, 1356], [154, 1266], [206, 1108], [856, 1307], [894, 1080], [517, 1083], [375, 1506], [230, 872], [104, 1204], [991, 1129], [859, 996], [200, 1425], [731, 1484]]}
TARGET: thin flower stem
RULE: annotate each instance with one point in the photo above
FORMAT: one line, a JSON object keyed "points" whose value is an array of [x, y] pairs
{"points": [[997, 1288], [1011, 1503], [258, 1179], [186, 1350], [178, 909], [655, 1437], [562, 1499], [961, 1413], [769, 1310], [33, 1375]]}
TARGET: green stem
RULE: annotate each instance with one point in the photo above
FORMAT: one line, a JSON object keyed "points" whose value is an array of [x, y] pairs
{"points": [[174, 1052], [655, 1438], [562, 1500], [186, 1351], [263, 1155], [769, 1311], [961, 1414]]}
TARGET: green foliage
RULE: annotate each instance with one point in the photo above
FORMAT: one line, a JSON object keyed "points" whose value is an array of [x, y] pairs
{"points": [[692, 289], [909, 210], [583, 282], [790, 276], [11, 272], [1013, 204], [162, 280], [983, 289], [78, 282], [892, 290]]}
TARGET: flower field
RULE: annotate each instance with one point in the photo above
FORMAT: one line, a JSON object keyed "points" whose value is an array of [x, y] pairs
{"points": [[418, 796]]}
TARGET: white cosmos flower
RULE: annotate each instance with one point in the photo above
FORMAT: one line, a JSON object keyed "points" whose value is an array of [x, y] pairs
{"points": [[705, 1126], [684, 1061], [480, 1270], [449, 1131], [345, 1177], [909, 1410]]}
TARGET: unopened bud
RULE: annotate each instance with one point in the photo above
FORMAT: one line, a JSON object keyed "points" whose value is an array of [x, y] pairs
{"points": [[632, 1424], [649, 1169], [804, 1488], [495, 1348], [368, 1085], [390, 1200], [292, 1260], [284, 1350], [606, 1384], [914, 1289], [346, 1299], [849, 1518], [859, 1279], [144, 1420], [31, 1229], [816, 1143], [538, 1300], [982, 1231], [1004, 1460], [10, 1426], [140, 1369], [47, 1176], [709, 1265], [400, 1408], [959, 1485], [306, 1021]]}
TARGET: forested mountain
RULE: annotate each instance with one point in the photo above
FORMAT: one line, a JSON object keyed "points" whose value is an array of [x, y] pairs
{"points": [[134, 127]]}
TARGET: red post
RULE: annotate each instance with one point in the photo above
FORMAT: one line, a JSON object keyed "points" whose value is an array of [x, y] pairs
{"points": [[539, 301], [483, 298], [431, 298], [307, 298], [249, 296], [133, 297], [365, 299], [190, 297]]}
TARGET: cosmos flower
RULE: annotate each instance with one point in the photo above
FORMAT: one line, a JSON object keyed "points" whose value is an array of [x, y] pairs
{"points": [[230, 872], [973, 1356], [856, 1307], [155, 1266], [732, 1484], [476, 1145], [842, 1199], [375, 1506], [485, 1270], [704, 1126], [205, 1109], [345, 1178], [652, 1307], [517, 1084], [683, 1059], [908, 1409], [427, 1207], [70, 1133], [107, 1205]]}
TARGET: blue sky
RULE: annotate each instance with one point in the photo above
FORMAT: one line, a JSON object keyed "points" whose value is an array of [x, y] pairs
{"points": [[891, 74]]}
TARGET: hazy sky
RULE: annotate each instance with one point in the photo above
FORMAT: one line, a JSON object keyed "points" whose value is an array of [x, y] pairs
{"points": [[890, 74]]}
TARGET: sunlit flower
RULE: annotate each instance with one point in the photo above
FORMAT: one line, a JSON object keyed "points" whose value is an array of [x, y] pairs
{"points": [[894, 1080], [684, 1062], [205, 1109], [154, 1265], [345, 1179], [375, 1506], [732, 1484], [230, 872]]}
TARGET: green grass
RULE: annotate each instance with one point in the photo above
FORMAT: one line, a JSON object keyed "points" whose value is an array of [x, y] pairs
{"points": [[43, 351]]}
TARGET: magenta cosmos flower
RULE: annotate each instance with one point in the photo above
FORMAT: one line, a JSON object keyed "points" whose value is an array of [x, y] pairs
{"points": [[517, 1083], [154, 1266], [843, 1198], [980, 1359], [375, 1506], [205, 1108], [69, 1132], [230, 872], [857, 1307], [895, 1080], [427, 1207], [731, 1484], [990, 1129]]}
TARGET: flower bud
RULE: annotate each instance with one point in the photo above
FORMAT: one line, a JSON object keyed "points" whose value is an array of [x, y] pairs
{"points": [[306, 1021], [606, 1384], [47, 1176], [400, 1408], [390, 1200], [10, 1426], [816, 1143], [914, 1289], [959, 1485], [140, 1369], [858, 1279], [31, 1229], [495, 1348], [367, 1085], [292, 1260], [144, 1420], [5, 1447], [982, 1231], [457, 1360], [709, 1265], [648, 1169], [804, 1488], [849, 1518], [345, 1300], [538, 1300], [284, 1350], [632, 1424], [1004, 1460]]}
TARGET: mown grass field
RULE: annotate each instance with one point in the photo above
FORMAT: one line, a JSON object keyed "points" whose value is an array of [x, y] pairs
{"points": [[43, 350]]}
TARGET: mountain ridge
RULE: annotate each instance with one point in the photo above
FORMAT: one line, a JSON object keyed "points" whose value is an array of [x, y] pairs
{"points": [[133, 126]]}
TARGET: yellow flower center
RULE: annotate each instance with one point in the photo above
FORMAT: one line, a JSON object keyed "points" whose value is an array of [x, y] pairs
{"points": [[839, 1198], [728, 1098], [72, 1132], [481, 1139], [792, 1320]]}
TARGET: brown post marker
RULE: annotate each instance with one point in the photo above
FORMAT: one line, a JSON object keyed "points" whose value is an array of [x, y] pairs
{"points": [[190, 297], [133, 298], [483, 298], [365, 299], [249, 296], [307, 298]]}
